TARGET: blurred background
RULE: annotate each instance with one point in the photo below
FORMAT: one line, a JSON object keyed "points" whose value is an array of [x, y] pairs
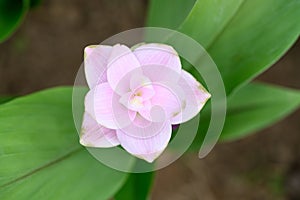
{"points": [[47, 50]]}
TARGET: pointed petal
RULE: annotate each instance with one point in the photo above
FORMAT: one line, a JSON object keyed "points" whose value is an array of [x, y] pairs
{"points": [[104, 106], [158, 54], [147, 141], [95, 64], [121, 63], [195, 98], [96, 135]]}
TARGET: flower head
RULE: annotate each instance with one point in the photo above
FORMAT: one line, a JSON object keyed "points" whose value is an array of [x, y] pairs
{"points": [[135, 97]]}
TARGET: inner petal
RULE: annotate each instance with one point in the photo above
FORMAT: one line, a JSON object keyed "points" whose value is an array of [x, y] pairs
{"points": [[138, 99], [146, 92], [167, 99], [138, 80], [132, 101]]}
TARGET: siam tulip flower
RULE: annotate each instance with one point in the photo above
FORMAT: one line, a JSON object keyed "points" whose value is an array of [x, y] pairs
{"points": [[135, 97]]}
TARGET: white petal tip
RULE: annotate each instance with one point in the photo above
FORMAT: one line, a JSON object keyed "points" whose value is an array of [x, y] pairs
{"points": [[207, 96], [88, 50], [85, 143], [150, 158], [82, 142]]}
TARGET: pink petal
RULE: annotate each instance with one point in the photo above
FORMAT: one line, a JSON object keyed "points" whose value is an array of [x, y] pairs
{"points": [[139, 80], [158, 54], [141, 86], [95, 62], [103, 105], [121, 63], [146, 92], [161, 74], [95, 135], [147, 141], [195, 98], [127, 100], [166, 98]]}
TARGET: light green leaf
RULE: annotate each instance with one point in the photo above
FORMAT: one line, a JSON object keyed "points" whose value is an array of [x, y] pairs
{"points": [[12, 13], [244, 37], [40, 154], [257, 106], [137, 187]]}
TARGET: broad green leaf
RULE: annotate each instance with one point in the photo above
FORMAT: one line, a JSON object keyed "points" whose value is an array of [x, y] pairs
{"points": [[256, 106], [40, 154], [259, 34], [208, 19], [244, 37], [252, 108], [168, 13], [12, 13], [137, 187]]}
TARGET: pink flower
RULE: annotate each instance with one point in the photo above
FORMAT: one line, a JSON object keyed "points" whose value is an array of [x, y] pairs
{"points": [[135, 97]]}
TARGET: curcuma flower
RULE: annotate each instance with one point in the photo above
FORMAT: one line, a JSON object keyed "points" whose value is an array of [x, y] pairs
{"points": [[135, 97]]}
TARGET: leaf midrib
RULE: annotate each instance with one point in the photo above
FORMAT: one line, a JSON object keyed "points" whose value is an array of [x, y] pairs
{"points": [[49, 164], [209, 46]]}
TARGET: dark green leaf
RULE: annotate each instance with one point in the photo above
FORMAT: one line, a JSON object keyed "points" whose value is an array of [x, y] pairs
{"points": [[35, 3], [11, 14], [5, 99], [40, 154], [137, 187]]}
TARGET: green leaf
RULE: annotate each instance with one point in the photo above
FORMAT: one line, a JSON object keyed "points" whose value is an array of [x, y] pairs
{"points": [[168, 13], [244, 37], [35, 3], [208, 19], [137, 187], [5, 99], [257, 106], [12, 13], [254, 107], [40, 154]]}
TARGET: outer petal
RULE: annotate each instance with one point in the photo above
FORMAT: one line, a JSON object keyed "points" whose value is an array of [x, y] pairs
{"points": [[95, 64], [195, 98], [104, 106], [95, 135], [158, 54], [121, 62], [161, 74], [147, 148]]}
